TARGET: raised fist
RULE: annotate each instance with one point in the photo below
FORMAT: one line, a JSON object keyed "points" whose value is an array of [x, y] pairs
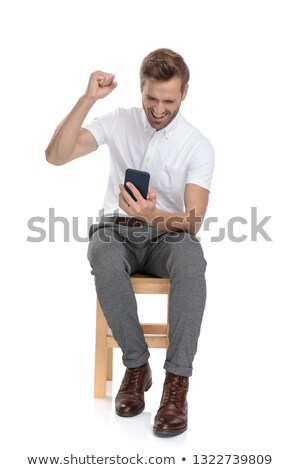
{"points": [[100, 85]]}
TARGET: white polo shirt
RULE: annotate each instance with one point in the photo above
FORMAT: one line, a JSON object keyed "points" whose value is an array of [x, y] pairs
{"points": [[174, 156]]}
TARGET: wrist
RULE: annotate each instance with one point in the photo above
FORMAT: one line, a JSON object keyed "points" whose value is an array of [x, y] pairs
{"points": [[88, 100], [155, 217]]}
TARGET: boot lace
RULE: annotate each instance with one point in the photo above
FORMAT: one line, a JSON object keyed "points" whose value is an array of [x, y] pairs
{"points": [[174, 394], [132, 380]]}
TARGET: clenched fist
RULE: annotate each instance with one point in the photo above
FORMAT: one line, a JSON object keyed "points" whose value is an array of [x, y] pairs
{"points": [[100, 85]]}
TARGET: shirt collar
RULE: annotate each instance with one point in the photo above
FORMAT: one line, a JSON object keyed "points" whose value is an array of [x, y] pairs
{"points": [[167, 131]]}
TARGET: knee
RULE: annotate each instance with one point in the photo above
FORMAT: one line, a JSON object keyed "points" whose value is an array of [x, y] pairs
{"points": [[186, 255], [103, 255]]}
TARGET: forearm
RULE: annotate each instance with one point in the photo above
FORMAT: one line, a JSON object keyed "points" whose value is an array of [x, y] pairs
{"points": [[64, 139], [176, 222]]}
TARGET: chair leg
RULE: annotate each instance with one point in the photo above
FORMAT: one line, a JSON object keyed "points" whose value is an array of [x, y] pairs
{"points": [[109, 364], [100, 354]]}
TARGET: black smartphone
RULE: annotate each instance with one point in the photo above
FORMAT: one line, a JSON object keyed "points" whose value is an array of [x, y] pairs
{"points": [[140, 179]]}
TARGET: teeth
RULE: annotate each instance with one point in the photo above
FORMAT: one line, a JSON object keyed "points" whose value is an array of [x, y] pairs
{"points": [[158, 117]]}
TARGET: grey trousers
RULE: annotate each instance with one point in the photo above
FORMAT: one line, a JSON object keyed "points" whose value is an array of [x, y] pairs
{"points": [[115, 252]]}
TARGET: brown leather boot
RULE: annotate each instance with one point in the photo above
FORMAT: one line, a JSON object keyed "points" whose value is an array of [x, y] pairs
{"points": [[172, 416], [130, 397]]}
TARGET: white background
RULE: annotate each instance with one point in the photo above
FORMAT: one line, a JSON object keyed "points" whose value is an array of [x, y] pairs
{"points": [[244, 96]]}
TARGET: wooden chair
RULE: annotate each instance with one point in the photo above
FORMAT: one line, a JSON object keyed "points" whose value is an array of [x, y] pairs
{"points": [[156, 334]]}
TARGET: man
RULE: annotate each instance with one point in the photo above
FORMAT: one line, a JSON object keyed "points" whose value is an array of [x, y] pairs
{"points": [[154, 235]]}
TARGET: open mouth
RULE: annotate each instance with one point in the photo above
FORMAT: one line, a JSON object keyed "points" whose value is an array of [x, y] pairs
{"points": [[158, 117]]}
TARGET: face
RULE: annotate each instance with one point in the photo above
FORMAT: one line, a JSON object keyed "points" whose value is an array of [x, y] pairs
{"points": [[161, 100]]}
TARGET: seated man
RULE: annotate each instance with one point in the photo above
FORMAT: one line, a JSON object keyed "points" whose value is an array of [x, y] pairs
{"points": [[154, 235]]}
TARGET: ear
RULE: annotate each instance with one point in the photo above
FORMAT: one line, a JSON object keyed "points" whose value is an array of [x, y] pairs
{"points": [[184, 93]]}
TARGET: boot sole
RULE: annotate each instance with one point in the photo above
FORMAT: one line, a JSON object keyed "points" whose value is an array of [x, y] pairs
{"points": [[168, 432], [130, 414]]}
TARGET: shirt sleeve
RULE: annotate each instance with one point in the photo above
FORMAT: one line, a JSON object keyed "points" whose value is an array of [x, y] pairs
{"points": [[201, 165], [101, 127]]}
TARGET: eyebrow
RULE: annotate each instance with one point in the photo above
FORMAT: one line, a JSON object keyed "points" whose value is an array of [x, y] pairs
{"points": [[165, 101]]}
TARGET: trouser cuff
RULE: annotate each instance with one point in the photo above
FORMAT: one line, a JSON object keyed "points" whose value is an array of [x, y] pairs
{"points": [[140, 361], [178, 370]]}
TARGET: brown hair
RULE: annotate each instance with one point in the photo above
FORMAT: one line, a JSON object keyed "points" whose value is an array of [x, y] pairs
{"points": [[164, 64]]}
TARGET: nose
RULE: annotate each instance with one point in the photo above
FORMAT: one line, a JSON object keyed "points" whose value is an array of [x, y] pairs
{"points": [[159, 108]]}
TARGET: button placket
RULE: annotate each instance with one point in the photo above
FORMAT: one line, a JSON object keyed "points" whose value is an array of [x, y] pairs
{"points": [[151, 151]]}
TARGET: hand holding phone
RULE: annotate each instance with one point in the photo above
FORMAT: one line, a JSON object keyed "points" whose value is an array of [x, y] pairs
{"points": [[140, 179]]}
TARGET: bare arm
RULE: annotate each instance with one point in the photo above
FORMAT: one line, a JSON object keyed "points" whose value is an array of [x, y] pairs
{"points": [[69, 140], [195, 200]]}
